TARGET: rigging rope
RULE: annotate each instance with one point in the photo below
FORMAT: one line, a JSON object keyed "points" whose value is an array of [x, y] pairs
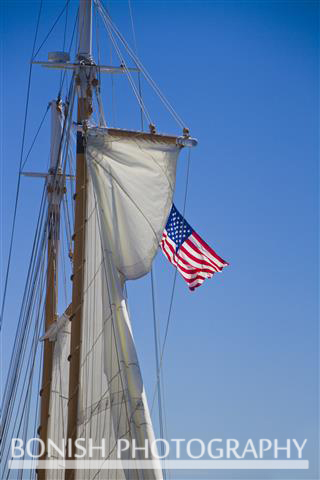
{"points": [[50, 31], [23, 328], [102, 122], [174, 280], [113, 94], [20, 164], [69, 51], [64, 44], [107, 20], [34, 287], [136, 52], [36, 416], [26, 409], [15, 373], [35, 137], [17, 410], [156, 328], [129, 76], [21, 412], [158, 372]]}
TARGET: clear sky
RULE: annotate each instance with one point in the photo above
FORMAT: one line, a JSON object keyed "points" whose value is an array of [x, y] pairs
{"points": [[242, 353]]}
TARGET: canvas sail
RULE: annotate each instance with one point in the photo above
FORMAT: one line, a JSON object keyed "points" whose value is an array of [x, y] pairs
{"points": [[129, 195], [134, 179], [59, 333], [94, 414]]}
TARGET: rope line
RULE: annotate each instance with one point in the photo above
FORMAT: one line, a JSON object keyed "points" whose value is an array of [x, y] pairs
{"points": [[19, 173], [35, 137], [63, 75], [136, 52], [174, 281], [123, 62], [51, 29], [35, 283], [107, 20], [175, 276], [158, 371], [64, 45]]}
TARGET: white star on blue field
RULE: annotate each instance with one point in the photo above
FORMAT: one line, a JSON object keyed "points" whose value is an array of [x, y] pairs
{"points": [[178, 229]]}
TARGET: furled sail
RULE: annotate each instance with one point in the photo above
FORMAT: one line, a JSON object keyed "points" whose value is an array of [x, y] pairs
{"points": [[131, 181]]}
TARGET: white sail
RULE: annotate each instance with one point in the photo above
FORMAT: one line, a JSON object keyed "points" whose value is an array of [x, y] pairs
{"points": [[126, 213], [59, 333], [134, 179], [94, 415]]}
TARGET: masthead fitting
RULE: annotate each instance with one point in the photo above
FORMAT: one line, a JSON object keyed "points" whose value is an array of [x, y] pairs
{"points": [[186, 132], [152, 128]]}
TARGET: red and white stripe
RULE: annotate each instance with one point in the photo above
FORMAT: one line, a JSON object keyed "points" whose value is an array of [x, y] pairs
{"points": [[195, 260]]}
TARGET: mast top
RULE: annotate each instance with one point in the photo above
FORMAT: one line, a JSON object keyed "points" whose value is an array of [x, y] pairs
{"points": [[85, 31]]}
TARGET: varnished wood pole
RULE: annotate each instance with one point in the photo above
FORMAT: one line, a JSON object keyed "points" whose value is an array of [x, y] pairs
{"points": [[78, 283], [84, 111], [50, 317]]}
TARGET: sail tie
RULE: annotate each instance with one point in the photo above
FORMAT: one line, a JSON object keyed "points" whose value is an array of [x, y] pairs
{"points": [[54, 329]]}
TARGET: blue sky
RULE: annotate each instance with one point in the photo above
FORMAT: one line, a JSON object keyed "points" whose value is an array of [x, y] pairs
{"points": [[242, 352]]}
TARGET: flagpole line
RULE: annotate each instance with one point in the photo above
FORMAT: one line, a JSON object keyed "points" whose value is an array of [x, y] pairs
{"points": [[173, 285], [176, 271]]}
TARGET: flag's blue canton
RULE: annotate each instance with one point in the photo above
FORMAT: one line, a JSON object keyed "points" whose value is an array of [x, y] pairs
{"points": [[178, 229]]}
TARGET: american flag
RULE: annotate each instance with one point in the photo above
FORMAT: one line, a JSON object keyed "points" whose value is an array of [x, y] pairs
{"points": [[183, 247]]}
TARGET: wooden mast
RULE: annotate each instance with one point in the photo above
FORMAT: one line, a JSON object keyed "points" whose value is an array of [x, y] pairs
{"points": [[84, 111], [54, 192]]}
